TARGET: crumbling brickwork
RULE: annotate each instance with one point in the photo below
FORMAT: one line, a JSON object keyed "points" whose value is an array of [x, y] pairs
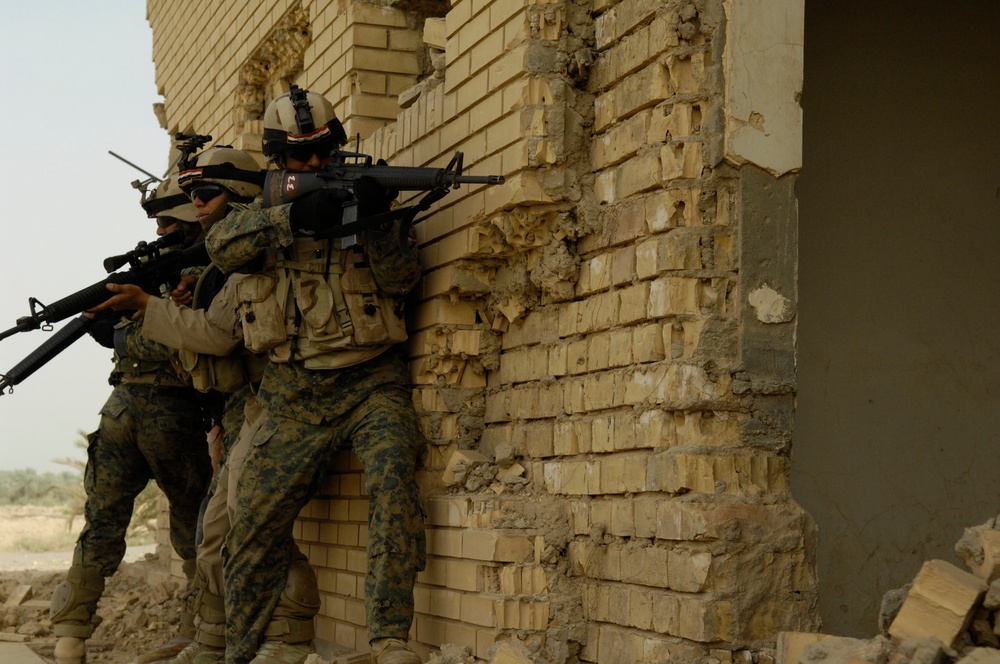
{"points": [[603, 347]]}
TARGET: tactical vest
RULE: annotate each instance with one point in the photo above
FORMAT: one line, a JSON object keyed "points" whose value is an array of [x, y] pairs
{"points": [[319, 304], [211, 372]]}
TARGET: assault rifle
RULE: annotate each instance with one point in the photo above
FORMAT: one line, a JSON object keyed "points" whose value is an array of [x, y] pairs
{"points": [[150, 266], [345, 168]]}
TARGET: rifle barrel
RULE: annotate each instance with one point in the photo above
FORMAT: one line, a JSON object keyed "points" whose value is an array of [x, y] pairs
{"points": [[39, 357]]}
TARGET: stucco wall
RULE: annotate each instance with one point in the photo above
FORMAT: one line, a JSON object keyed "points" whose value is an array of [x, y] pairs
{"points": [[896, 426]]}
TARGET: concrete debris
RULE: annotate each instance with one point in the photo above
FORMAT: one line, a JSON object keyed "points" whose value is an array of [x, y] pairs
{"points": [[946, 615]]}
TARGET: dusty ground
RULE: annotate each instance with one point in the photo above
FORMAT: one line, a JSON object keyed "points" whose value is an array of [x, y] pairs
{"points": [[139, 609]]}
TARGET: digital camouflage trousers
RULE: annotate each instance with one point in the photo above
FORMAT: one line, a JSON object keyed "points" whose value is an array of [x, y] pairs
{"points": [[286, 462], [146, 432]]}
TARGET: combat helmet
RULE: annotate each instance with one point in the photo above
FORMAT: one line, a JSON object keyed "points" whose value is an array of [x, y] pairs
{"points": [[169, 200], [300, 118], [234, 170]]}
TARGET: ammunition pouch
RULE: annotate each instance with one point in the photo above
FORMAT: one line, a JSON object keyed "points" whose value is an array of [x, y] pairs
{"points": [[321, 302]]}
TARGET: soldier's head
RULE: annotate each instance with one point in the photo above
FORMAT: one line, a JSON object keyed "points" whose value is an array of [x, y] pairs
{"points": [[171, 208], [301, 130], [220, 177]]}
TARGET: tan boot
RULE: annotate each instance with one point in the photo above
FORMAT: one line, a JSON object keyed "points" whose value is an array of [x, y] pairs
{"points": [[70, 650], [393, 651], [279, 652], [199, 653], [170, 649]]}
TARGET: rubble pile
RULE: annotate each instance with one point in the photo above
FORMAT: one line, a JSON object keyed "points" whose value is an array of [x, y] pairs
{"points": [[946, 615], [140, 609]]}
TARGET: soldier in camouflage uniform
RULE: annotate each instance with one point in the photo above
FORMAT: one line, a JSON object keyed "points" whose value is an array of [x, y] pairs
{"points": [[330, 316], [209, 345], [152, 427]]}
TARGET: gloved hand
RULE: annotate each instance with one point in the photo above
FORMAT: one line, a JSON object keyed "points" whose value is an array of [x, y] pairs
{"points": [[103, 327], [318, 210], [372, 197]]}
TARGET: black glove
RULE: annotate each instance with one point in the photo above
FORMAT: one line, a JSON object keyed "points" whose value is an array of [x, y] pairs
{"points": [[372, 197], [318, 210], [103, 327]]}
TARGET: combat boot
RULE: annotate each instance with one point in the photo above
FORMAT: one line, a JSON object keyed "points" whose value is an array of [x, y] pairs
{"points": [[70, 650], [279, 652], [199, 653], [73, 613], [171, 648], [393, 651]]}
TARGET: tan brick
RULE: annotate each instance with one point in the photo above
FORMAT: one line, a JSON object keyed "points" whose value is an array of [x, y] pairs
{"points": [[634, 303], [429, 629], [479, 610], [634, 93], [598, 351], [938, 604], [625, 17], [620, 354], [558, 360], [670, 296], [686, 73], [572, 477], [442, 542], [681, 159], [370, 36], [434, 33], [380, 60], [451, 512], [616, 645], [565, 438], [673, 208], [621, 141], [707, 620], [647, 343]]}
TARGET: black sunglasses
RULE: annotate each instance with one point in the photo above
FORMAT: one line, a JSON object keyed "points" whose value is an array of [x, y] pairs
{"points": [[306, 152], [206, 192]]}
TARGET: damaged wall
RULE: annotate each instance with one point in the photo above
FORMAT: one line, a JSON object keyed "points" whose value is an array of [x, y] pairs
{"points": [[602, 348]]}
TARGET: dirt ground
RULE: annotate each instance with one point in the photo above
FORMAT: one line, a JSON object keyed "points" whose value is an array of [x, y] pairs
{"points": [[139, 611]]}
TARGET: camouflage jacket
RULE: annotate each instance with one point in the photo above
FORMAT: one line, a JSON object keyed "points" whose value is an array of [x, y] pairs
{"points": [[236, 244]]}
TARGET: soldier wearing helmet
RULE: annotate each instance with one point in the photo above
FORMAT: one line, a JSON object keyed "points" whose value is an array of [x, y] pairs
{"points": [[329, 314], [152, 427], [209, 345]]}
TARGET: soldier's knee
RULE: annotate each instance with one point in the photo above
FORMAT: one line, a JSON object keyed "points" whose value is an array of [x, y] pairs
{"points": [[74, 602]]}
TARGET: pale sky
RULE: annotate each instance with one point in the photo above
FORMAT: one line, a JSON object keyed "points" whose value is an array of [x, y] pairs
{"points": [[76, 80]]}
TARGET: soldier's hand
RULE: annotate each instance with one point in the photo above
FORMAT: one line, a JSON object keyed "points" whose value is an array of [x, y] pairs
{"points": [[184, 292], [129, 298], [103, 328], [372, 197], [318, 210]]}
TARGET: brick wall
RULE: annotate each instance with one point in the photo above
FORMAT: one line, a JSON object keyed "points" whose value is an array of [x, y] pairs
{"points": [[603, 348]]}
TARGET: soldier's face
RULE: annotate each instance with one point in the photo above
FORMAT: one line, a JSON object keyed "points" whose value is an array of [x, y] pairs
{"points": [[163, 230], [212, 210], [314, 162]]}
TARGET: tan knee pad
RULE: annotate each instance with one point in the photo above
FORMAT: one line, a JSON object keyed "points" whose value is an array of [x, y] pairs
{"points": [[292, 620], [74, 603], [210, 620]]}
